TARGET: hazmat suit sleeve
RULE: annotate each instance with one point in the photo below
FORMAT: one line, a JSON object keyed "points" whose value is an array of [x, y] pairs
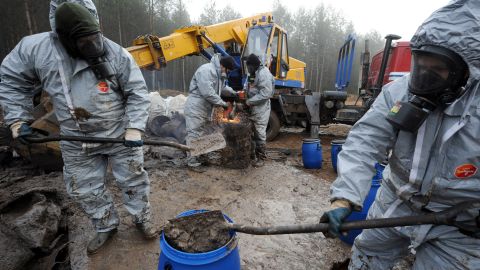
{"points": [[17, 83], [264, 84], [367, 143], [228, 90], [135, 91], [206, 81]]}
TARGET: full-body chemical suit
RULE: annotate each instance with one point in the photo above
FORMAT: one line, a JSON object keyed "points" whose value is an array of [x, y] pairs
{"points": [[204, 93], [85, 106], [430, 169], [259, 91]]}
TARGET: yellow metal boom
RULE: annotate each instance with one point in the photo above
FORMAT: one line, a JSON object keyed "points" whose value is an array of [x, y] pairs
{"points": [[155, 51]]}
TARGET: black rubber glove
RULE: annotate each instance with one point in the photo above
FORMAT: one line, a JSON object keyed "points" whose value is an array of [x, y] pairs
{"points": [[339, 210], [26, 132]]}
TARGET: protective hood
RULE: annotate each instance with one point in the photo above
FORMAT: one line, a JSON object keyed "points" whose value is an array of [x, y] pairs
{"points": [[215, 61], [74, 21], [456, 27], [86, 3]]}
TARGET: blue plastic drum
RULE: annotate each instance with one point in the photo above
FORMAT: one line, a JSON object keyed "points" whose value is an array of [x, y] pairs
{"points": [[336, 147], [226, 257], [355, 215], [312, 154]]}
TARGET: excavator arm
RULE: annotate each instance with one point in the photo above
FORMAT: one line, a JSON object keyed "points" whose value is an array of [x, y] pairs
{"points": [[155, 52]]}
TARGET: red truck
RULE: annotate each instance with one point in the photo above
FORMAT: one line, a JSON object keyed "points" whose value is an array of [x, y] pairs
{"points": [[382, 69], [397, 66]]}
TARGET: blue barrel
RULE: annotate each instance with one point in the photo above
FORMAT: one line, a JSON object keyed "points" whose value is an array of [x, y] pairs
{"points": [[355, 215], [336, 147], [312, 154], [226, 257]]}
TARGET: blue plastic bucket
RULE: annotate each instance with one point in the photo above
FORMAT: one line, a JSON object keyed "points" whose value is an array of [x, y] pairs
{"points": [[226, 257], [312, 154], [336, 147], [355, 215]]}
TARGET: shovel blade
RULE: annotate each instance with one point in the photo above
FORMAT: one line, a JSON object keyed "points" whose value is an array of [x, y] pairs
{"points": [[207, 143]]}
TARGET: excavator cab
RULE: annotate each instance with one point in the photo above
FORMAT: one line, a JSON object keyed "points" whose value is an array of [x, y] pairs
{"points": [[269, 43]]}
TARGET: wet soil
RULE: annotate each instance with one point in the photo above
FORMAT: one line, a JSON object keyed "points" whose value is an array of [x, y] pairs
{"points": [[197, 233]]}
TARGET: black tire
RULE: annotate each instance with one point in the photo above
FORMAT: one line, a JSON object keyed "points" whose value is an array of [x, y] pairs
{"points": [[273, 127]]}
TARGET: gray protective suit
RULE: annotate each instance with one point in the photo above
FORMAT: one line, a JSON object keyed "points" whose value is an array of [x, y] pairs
{"points": [[84, 106], [259, 93], [425, 169], [204, 93]]}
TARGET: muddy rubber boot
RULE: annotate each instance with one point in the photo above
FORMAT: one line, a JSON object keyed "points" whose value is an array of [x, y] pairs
{"points": [[195, 165], [258, 163], [147, 229], [260, 154], [99, 240]]}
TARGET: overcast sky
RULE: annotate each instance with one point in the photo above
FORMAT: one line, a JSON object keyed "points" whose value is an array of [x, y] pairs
{"points": [[386, 16]]}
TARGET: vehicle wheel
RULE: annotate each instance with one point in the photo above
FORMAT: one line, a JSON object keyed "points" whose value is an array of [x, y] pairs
{"points": [[273, 127]]}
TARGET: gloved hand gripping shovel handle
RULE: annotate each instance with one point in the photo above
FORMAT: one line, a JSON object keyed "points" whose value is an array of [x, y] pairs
{"points": [[446, 217], [105, 140]]}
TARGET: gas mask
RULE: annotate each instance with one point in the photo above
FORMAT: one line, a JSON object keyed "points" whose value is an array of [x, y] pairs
{"points": [[253, 63], [437, 78], [251, 73], [91, 48], [223, 75], [251, 70]]}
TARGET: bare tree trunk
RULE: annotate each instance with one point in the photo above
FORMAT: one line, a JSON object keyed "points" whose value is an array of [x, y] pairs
{"points": [[317, 71], [183, 75], [151, 17], [323, 64], [119, 20], [29, 19]]}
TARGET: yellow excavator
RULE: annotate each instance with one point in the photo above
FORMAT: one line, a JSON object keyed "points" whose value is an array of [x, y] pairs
{"points": [[260, 35], [238, 38]]}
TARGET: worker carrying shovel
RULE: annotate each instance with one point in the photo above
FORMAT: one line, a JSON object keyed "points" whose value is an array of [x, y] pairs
{"points": [[97, 90], [429, 121], [203, 95]]}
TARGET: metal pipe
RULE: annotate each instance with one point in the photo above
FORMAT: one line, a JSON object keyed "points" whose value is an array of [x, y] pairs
{"points": [[383, 66]]}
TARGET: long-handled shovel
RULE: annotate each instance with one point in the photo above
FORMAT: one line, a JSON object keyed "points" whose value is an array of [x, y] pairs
{"points": [[213, 223], [105, 140], [200, 146]]}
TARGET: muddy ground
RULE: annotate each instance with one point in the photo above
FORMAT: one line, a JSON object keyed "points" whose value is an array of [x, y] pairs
{"points": [[281, 192]]}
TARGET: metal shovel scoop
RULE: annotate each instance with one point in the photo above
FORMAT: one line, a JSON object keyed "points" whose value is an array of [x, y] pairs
{"points": [[214, 223], [207, 143]]}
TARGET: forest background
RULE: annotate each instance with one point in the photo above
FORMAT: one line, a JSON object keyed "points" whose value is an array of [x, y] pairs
{"points": [[314, 35]]}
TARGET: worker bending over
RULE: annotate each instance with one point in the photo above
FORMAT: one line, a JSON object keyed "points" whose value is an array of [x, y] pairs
{"points": [[203, 94]]}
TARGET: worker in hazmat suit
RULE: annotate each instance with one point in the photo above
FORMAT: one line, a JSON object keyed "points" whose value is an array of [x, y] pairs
{"points": [[259, 88], [203, 94], [429, 123], [97, 90]]}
